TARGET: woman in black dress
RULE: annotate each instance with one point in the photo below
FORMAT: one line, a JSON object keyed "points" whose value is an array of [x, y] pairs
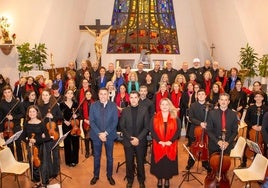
{"points": [[71, 142], [35, 135], [165, 130]]}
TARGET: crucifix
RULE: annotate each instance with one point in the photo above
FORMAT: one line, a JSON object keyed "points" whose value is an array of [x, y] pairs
{"points": [[97, 31], [212, 49]]}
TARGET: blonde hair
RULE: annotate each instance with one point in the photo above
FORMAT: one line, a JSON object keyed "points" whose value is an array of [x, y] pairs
{"points": [[183, 78], [172, 110], [114, 76], [134, 74]]}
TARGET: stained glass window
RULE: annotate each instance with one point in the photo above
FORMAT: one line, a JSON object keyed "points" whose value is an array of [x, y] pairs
{"points": [[143, 24]]}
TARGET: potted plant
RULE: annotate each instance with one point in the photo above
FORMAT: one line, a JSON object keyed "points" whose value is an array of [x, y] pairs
{"points": [[25, 57], [263, 68], [29, 58], [39, 55], [248, 61]]}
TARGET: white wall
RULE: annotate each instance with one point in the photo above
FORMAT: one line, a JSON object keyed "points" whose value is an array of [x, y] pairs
{"points": [[228, 24]]}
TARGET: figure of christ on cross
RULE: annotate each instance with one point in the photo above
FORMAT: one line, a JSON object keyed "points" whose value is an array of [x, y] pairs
{"points": [[98, 31]]}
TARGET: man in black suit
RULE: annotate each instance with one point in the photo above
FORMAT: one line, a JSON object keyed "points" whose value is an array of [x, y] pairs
{"points": [[222, 121], [134, 125]]}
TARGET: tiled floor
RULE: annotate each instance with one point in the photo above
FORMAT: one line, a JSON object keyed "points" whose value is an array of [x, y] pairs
{"points": [[82, 173]]}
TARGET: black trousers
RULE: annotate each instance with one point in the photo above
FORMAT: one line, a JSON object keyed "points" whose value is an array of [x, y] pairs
{"points": [[131, 153]]}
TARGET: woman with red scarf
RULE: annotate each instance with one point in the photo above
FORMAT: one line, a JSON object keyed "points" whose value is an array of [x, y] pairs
{"points": [[175, 96], [85, 107], [165, 130], [160, 94]]}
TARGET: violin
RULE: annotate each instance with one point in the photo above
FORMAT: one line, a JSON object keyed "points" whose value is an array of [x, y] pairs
{"points": [[9, 125], [8, 131], [75, 124], [255, 136], [200, 147], [220, 165], [51, 127], [35, 154]]}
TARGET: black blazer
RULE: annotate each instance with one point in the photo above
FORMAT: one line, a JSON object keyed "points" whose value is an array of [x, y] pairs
{"points": [[214, 129], [142, 125]]}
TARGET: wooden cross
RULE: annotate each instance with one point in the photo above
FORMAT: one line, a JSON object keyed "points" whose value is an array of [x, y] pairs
{"points": [[98, 27], [212, 49]]}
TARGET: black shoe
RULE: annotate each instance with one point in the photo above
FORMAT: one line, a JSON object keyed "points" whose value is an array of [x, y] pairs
{"points": [[129, 185], [242, 165], [166, 183], [159, 183], [142, 185], [111, 180], [94, 180]]}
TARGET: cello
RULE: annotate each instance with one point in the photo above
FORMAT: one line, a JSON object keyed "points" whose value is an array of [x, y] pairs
{"points": [[220, 165], [256, 136], [200, 147]]}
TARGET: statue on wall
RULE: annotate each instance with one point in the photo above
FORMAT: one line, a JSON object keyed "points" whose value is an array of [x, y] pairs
{"points": [[98, 40]]}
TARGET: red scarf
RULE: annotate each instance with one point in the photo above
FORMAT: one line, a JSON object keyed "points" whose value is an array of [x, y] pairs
{"points": [[207, 86], [158, 127], [159, 96]]}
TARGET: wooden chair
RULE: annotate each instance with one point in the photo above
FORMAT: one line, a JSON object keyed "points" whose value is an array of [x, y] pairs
{"points": [[8, 165], [256, 171]]}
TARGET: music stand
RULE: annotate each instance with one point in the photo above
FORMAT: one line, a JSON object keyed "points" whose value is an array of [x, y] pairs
{"points": [[188, 173], [13, 138], [61, 173], [253, 146]]}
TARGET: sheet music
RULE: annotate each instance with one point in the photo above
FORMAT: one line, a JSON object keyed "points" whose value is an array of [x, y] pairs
{"points": [[14, 137]]}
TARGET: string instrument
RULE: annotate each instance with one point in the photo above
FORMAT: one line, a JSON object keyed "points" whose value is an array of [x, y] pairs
{"points": [[35, 154], [220, 165], [9, 124], [8, 132], [200, 147], [255, 136], [51, 127], [75, 124]]}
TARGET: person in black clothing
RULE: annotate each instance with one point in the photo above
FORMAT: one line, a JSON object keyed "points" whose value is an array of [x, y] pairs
{"points": [[214, 95], [29, 99], [35, 135], [238, 99], [221, 120], [170, 71], [110, 72], [156, 74], [253, 118], [151, 87], [141, 74], [184, 71], [50, 113], [197, 115], [196, 70], [257, 88], [80, 73], [11, 110], [71, 142], [134, 125]]}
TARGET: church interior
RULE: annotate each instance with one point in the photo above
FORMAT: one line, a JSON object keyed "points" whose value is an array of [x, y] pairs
{"points": [[205, 29]]}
